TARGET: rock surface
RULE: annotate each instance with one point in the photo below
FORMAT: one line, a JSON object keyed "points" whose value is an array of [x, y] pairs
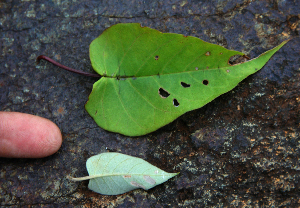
{"points": [[240, 150]]}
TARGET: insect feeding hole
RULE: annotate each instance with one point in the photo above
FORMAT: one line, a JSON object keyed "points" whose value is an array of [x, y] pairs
{"points": [[163, 93], [205, 82], [185, 85], [175, 102], [156, 57]]}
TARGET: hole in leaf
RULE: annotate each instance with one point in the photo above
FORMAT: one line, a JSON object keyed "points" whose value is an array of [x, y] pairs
{"points": [[205, 82], [196, 68], [156, 57], [163, 93], [175, 102], [185, 85], [237, 59]]}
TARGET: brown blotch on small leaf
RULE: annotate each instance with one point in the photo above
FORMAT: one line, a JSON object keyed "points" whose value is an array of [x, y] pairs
{"points": [[136, 184], [149, 180]]}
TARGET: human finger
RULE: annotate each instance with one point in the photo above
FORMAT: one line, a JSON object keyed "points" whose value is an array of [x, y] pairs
{"points": [[27, 136]]}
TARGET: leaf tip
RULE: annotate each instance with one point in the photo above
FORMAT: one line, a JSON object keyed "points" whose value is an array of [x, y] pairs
{"points": [[175, 174]]}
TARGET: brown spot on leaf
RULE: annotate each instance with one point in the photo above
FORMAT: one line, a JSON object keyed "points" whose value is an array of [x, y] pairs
{"points": [[126, 176]]}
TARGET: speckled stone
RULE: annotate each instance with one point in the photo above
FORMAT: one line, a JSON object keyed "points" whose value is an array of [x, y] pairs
{"points": [[240, 150]]}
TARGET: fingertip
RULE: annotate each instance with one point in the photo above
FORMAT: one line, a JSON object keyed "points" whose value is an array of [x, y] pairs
{"points": [[49, 139], [27, 136]]}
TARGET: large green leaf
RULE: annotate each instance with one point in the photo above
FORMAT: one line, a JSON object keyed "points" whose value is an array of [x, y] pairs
{"points": [[115, 173], [151, 78]]}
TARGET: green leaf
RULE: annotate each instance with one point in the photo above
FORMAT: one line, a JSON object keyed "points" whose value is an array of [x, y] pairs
{"points": [[151, 78], [115, 173]]}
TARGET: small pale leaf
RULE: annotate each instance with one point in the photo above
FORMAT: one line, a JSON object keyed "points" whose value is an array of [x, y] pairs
{"points": [[115, 173]]}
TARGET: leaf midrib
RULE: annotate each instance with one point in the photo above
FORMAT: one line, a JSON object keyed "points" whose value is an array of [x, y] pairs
{"points": [[119, 174], [182, 72]]}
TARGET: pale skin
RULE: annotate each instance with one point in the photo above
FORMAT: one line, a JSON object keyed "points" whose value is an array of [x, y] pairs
{"points": [[27, 136]]}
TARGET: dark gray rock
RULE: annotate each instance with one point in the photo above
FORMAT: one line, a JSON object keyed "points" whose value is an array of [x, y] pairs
{"points": [[242, 149]]}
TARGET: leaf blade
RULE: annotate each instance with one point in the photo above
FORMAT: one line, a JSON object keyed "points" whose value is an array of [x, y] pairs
{"points": [[128, 46], [136, 106]]}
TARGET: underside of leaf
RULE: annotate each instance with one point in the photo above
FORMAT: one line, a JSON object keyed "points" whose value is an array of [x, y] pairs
{"points": [[151, 78], [115, 173]]}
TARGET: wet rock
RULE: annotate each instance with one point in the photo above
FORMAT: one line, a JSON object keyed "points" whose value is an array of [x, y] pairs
{"points": [[242, 149]]}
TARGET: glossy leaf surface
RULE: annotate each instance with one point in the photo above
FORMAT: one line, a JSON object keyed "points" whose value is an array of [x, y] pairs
{"points": [[115, 173], [151, 78]]}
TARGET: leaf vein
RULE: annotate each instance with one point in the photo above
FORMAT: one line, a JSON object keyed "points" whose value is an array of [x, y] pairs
{"points": [[129, 115], [173, 57], [146, 98], [151, 55], [129, 49]]}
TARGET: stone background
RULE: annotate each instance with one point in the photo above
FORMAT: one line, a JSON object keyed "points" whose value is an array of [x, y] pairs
{"points": [[240, 150]]}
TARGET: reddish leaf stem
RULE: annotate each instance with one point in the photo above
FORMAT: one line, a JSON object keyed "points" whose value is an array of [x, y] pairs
{"points": [[65, 67]]}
